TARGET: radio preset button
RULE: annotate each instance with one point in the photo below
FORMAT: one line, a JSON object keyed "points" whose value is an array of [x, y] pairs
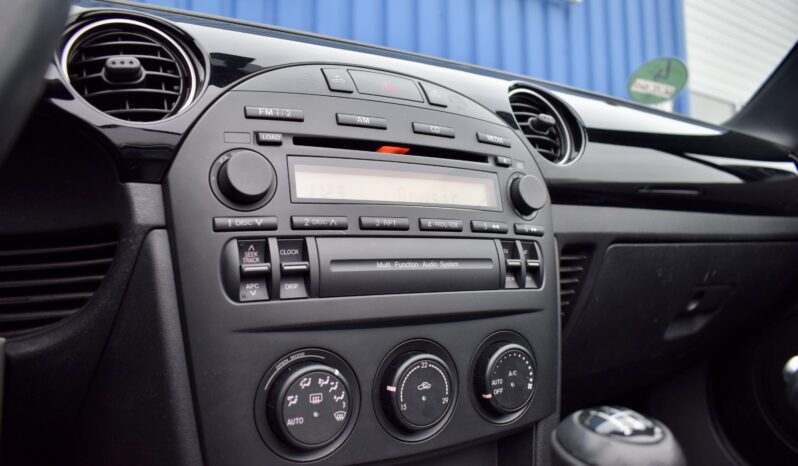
{"points": [[244, 223], [528, 229], [362, 121], [338, 80], [384, 223], [433, 130], [319, 223], [274, 113], [479, 226], [437, 224], [486, 138]]}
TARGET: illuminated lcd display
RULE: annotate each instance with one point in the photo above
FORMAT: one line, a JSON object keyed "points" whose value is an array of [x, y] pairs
{"points": [[365, 181]]}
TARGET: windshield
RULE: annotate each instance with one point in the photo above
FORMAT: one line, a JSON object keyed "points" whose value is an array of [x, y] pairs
{"points": [[701, 58]]}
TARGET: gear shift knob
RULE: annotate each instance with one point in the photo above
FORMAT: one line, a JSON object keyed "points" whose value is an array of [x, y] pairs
{"points": [[611, 435]]}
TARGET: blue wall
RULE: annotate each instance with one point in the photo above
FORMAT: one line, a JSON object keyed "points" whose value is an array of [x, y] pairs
{"points": [[595, 44]]}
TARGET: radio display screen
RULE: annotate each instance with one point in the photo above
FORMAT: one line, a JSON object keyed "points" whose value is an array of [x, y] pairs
{"points": [[366, 181]]}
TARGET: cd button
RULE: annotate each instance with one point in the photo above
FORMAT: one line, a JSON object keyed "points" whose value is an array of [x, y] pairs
{"points": [[504, 161], [433, 130], [436, 224]]}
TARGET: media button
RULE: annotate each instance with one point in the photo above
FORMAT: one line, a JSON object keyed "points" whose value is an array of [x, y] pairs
{"points": [[492, 139], [479, 226], [363, 121], [319, 223], [273, 113], [384, 223], [433, 130], [437, 224]]}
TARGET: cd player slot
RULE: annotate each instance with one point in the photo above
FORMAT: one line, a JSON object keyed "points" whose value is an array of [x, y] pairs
{"points": [[388, 147], [369, 266]]}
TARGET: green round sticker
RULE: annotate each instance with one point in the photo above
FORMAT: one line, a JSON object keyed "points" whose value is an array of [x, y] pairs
{"points": [[658, 81]]}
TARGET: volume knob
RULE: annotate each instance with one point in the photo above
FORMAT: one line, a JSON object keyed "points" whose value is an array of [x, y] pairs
{"points": [[528, 194], [246, 177]]}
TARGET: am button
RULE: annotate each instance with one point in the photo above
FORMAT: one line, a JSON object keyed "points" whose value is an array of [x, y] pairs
{"points": [[364, 121]]}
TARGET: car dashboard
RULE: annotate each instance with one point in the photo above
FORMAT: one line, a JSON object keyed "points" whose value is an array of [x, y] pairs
{"points": [[298, 249]]}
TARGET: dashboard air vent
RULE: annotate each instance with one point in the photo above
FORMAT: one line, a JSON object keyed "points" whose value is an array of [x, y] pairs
{"points": [[545, 127], [46, 279], [573, 264], [129, 70]]}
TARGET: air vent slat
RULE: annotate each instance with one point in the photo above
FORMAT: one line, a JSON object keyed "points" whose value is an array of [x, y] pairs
{"points": [[45, 278], [30, 317], [51, 282], [126, 92], [574, 261], [549, 134], [162, 83], [53, 265]]}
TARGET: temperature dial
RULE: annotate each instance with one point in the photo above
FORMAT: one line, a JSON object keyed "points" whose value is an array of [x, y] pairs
{"points": [[505, 378], [417, 390], [310, 405]]}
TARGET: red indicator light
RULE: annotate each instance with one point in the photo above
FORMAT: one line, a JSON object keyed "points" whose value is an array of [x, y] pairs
{"points": [[393, 150], [388, 86]]}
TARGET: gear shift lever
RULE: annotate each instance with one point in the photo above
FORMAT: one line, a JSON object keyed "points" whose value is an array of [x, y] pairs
{"points": [[611, 435]]}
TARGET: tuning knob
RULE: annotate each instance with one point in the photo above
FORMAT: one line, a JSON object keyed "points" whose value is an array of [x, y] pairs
{"points": [[528, 194], [246, 177]]}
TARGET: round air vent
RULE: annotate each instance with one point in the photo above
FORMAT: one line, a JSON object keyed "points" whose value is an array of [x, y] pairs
{"points": [[129, 69], [556, 134]]}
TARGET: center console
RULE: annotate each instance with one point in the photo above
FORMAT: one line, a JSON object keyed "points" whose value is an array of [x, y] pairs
{"points": [[367, 271]]}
